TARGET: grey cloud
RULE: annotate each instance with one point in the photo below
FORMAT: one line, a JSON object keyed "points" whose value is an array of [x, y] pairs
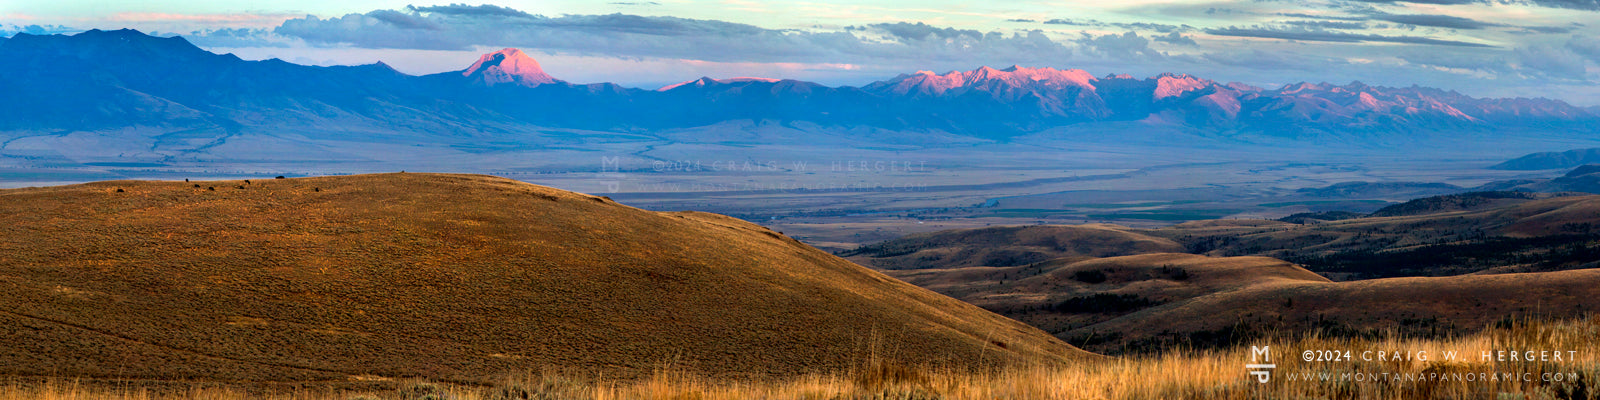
{"points": [[1375, 14], [629, 36], [1416, 20], [1278, 60], [921, 31], [1546, 29], [1128, 46], [1454, 22], [1162, 28], [8, 31], [1020, 20], [1073, 22], [1453, 60], [46, 29], [1434, 20], [480, 10], [1438, 2], [364, 30], [1176, 38], [1552, 62], [656, 26], [1328, 24], [1328, 36], [231, 32], [1324, 17], [403, 20], [1590, 5], [1586, 46], [233, 37], [1146, 26]]}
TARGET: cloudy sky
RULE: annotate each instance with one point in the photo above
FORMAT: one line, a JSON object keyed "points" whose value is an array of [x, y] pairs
{"points": [[1500, 48]]}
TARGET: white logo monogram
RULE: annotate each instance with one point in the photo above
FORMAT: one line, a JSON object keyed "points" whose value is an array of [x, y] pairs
{"points": [[1260, 363]]}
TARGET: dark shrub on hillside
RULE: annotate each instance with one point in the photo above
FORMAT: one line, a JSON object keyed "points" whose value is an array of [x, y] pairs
{"points": [[1090, 276]]}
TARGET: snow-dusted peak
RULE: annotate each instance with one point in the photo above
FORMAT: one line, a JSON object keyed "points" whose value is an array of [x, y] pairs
{"points": [[1172, 85], [931, 84], [508, 66], [706, 81]]}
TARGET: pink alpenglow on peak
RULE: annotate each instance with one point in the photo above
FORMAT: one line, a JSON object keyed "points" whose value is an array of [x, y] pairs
{"points": [[1173, 85], [928, 83], [508, 66]]}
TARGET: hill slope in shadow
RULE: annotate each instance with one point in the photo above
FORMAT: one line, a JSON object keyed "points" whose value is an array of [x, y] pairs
{"points": [[1437, 267]]}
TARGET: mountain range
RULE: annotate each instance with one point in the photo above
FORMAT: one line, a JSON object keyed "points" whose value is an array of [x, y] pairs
{"points": [[106, 80]]}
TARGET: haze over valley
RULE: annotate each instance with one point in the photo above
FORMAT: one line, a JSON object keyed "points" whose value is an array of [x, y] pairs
{"points": [[984, 146]]}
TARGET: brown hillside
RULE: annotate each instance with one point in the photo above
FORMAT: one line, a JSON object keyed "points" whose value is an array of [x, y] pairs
{"points": [[1553, 216], [1065, 296], [1158, 301], [1180, 275], [1528, 236], [1409, 306], [1007, 246], [1255, 277], [447, 276]]}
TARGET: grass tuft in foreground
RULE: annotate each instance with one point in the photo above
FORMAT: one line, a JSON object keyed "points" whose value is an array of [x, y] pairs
{"points": [[1177, 375]]}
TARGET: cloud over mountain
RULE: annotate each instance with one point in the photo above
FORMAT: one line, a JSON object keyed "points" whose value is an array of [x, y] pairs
{"points": [[461, 27], [1128, 45], [1430, 42], [1317, 35]]}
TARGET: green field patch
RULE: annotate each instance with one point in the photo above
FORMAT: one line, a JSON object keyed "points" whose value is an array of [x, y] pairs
{"points": [[1024, 213], [1132, 205], [1167, 215], [26, 175], [1319, 202], [125, 164]]}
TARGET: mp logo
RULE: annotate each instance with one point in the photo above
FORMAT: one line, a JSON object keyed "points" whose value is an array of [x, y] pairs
{"points": [[1260, 365]]}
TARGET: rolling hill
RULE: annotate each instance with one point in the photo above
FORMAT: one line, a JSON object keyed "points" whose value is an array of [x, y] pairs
{"points": [[1551, 160], [1583, 179], [1434, 266], [1070, 297], [1435, 236], [451, 277], [1415, 307], [1006, 246]]}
